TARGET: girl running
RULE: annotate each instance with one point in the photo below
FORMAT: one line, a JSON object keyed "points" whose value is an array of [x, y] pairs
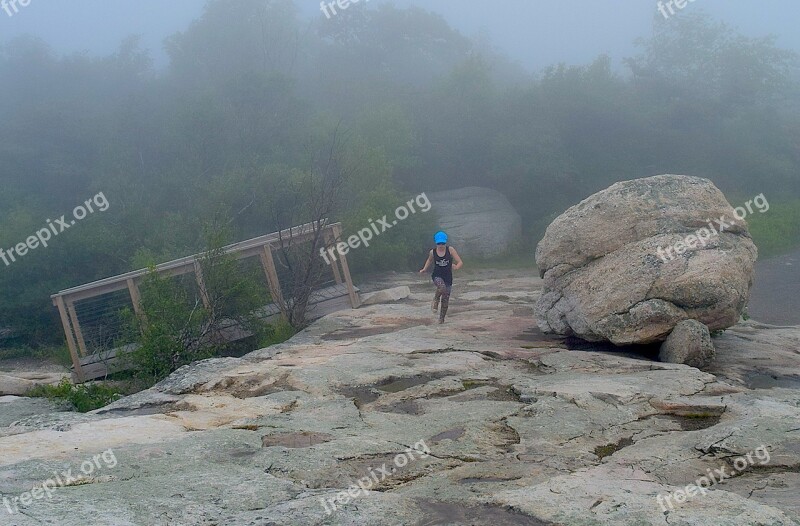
{"points": [[442, 258]]}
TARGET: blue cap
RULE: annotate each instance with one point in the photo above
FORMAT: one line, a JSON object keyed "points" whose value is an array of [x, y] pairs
{"points": [[440, 237]]}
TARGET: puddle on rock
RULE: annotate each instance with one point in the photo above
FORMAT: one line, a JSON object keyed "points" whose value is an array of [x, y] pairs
{"points": [[354, 334], [401, 384], [538, 339], [696, 422], [503, 393], [295, 440], [361, 394], [144, 410], [610, 449], [242, 453], [406, 407], [445, 513], [450, 434], [761, 380], [365, 394]]}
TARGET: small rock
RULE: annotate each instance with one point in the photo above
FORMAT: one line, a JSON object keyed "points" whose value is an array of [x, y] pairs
{"points": [[689, 343]]}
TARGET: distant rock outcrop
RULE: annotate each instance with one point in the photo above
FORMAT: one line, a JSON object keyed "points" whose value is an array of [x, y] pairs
{"points": [[481, 222], [19, 383], [632, 261]]}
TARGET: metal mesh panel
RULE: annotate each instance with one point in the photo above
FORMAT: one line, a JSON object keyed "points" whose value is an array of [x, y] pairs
{"points": [[102, 320], [252, 268]]}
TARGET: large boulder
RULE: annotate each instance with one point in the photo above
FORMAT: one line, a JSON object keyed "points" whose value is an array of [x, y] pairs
{"points": [[481, 222], [611, 270]]}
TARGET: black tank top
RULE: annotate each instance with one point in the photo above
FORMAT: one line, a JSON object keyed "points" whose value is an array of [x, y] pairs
{"points": [[443, 266]]}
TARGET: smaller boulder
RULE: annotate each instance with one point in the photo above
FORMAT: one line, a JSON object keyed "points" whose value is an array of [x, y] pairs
{"points": [[386, 296], [689, 343]]}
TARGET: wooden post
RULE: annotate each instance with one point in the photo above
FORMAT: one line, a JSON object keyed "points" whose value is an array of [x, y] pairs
{"points": [[331, 240], [136, 298], [77, 326], [268, 262], [201, 284], [73, 352], [355, 300]]}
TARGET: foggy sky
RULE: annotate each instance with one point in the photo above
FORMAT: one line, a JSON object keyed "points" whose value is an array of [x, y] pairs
{"points": [[535, 33]]}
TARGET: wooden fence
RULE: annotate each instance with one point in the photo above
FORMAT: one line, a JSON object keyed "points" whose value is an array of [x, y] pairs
{"points": [[101, 302]]}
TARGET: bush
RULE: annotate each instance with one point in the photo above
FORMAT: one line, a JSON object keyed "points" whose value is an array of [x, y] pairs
{"points": [[777, 230], [276, 333], [178, 326], [84, 398]]}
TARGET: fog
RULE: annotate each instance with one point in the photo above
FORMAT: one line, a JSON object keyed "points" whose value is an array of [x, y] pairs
{"points": [[535, 33], [186, 115]]}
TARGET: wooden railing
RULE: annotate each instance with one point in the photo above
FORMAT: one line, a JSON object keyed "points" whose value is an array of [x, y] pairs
{"points": [[261, 247]]}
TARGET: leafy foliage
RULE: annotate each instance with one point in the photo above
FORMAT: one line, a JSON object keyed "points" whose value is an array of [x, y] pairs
{"points": [[777, 230], [84, 398], [181, 323]]}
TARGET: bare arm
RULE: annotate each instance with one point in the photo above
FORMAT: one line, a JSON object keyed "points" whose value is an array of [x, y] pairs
{"points": [[427, 263], [457, 259]]}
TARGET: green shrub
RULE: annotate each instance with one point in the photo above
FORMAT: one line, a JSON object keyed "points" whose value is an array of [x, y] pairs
{"points": [[84, 398], [276, 333], [777, 230], [177, 326]]}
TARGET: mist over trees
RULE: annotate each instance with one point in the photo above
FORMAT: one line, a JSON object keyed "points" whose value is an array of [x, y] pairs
{"points": [[253, 92]]}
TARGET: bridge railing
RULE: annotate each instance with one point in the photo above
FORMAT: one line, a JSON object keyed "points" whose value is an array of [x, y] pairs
{"points": [[91, 314]]}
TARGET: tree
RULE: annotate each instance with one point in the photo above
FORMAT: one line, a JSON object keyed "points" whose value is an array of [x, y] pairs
{"points": [[308, 197], [694, 56], [181, 321]]}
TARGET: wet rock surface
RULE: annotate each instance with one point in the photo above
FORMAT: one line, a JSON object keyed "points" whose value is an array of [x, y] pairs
{"points": [[483, 420]]}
